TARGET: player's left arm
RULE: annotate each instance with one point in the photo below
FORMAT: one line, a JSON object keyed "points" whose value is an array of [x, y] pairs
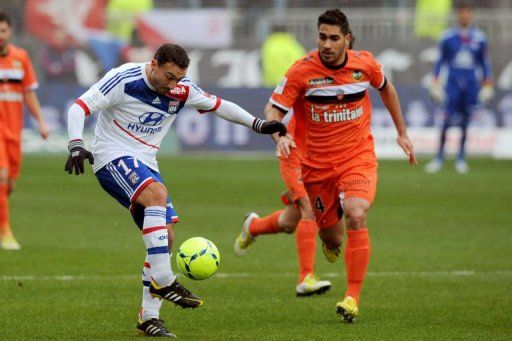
{"points": [[229, 111], [486, 93], [29, 83], [390, 99], [34, 107], [234, 113]]}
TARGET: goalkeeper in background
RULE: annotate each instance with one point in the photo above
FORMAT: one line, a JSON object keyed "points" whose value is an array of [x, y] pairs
{"points": [[463, 50]]}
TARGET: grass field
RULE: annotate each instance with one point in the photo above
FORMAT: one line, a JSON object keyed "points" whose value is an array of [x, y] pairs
{"points": [[441, 264]]}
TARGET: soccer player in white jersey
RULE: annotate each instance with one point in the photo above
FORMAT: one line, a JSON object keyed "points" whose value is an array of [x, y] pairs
{"points": [[137, 104]]}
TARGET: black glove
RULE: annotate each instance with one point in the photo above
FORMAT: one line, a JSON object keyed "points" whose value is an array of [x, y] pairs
{"points": [[270, 127], [77, 155]]}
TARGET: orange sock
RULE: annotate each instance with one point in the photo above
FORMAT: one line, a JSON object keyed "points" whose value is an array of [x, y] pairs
{"points": [[357, 255], [265, 225], [4, 211], [305, 236]]}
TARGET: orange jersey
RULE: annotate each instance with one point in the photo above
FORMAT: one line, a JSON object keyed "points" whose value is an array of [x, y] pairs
{"points": [[295, 127], [334, 106], [16, 77]]}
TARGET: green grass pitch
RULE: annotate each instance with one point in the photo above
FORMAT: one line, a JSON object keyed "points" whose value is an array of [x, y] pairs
{"points": [[441, 265]]}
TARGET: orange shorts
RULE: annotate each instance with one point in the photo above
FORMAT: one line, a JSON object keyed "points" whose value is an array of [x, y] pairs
{"points": [[10, 157], [328, 188], [291, 172]]}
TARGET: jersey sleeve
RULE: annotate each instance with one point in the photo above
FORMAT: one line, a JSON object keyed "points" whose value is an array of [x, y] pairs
{"points": [[442, 58], [483, 59], [29, 81], [375, 74], [289, 90], [103, 94], [199, 99]]}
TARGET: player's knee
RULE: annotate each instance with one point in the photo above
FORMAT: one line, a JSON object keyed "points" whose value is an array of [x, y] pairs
{"points": [[155, 194], [289, 228], [4, 176], [287, 223], [306, 211], [355, 216]]}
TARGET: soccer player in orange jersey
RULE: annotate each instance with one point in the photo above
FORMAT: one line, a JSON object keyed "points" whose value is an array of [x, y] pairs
{"points": [[17, 84], [328, 92], [297, 215]]}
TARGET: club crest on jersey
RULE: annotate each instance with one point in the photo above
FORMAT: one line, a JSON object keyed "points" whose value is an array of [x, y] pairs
{"points": [[340, 94], [151, 118], [173, 107], [357, 75], [134, 178], [321, 81]]}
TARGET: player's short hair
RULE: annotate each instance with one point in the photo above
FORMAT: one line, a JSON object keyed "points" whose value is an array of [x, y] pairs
{"points": [[334, 17], [461, 5], [4, 17], [172, 53]]}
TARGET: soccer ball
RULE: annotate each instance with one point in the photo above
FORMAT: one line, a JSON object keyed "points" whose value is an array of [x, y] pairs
{"points": [[198, 258]]}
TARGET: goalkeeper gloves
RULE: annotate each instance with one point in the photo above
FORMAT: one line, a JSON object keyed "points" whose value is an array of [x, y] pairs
{"points": [[77, 155], [270, 127], [437, 92], [486, 94]]}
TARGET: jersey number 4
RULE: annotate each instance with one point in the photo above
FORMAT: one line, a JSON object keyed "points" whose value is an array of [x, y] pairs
{"points": [[319, 205]]}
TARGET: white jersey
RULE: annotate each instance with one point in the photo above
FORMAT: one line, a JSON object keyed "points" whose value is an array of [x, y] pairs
{"points": [[133, 117]]}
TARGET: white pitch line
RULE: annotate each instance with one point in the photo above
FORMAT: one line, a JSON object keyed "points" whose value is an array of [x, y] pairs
{"points": [[230, 275]]}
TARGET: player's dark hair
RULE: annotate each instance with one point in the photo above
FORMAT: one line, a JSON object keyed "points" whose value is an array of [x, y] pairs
{"points": [[172, 53], [334, 17], [461, 5], [4, 17]]}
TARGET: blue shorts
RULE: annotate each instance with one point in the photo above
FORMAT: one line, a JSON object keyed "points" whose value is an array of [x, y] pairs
{"points": [[124, 179]]}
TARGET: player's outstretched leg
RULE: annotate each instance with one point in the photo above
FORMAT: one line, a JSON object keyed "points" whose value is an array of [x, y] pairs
{"points": [[311, 285], [163, 283], [253, 226], [245, 239], [154, 327], [177, 294]]}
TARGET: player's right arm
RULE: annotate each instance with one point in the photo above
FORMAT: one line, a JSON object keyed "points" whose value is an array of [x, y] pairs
{"points": [[283, 143], [282, 100], [436, 87], [100, 96]]}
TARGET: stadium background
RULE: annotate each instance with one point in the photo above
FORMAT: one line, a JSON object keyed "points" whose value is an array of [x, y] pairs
{"points": [[73, 43]]}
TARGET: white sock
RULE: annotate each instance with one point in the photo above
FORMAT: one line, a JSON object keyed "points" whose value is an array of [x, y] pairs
{"points": [[155, 237], [150, 306]]}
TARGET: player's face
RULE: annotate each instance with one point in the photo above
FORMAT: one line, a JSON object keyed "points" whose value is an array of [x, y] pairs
{"points": [[5, 35], [465, 17], [331, 44], [165, 77]]}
